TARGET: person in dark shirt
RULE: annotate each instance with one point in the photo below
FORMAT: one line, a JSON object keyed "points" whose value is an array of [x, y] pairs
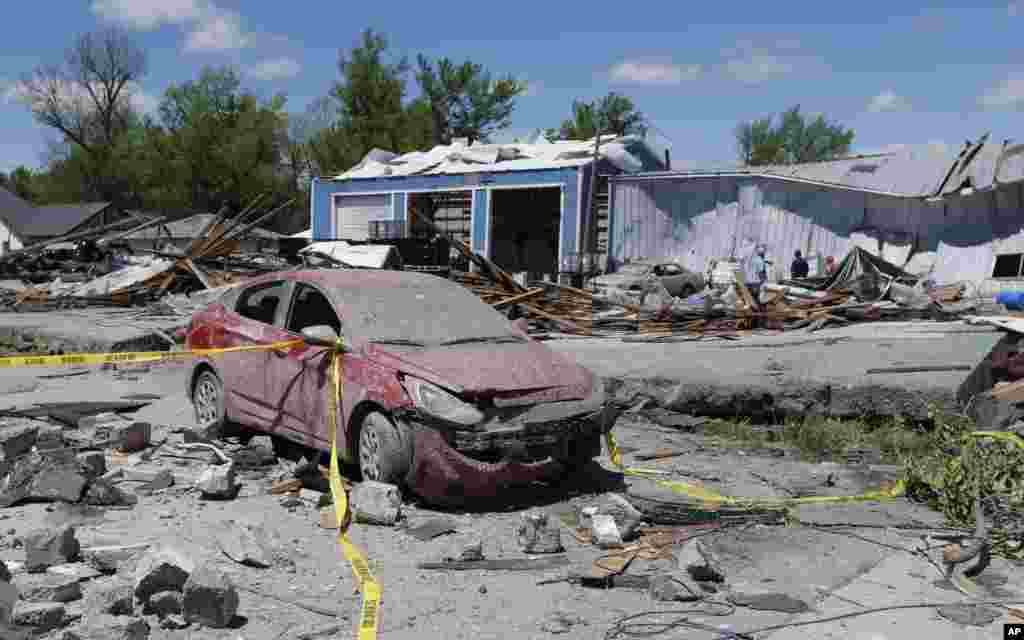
{"points": [[799, 268]]}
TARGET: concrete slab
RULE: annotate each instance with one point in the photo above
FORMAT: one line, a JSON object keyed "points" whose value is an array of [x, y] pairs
{"points": [[793, 372]]}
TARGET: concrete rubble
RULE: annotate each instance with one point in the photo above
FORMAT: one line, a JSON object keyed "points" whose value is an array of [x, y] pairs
{"points": [[140, 551], [376, 503]]}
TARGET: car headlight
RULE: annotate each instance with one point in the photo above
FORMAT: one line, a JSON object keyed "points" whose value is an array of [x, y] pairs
{"points": [[435, 401]]}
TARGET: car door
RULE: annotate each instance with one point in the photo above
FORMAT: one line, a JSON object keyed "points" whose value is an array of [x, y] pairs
{"points": [[299, 378], [257, 309]]}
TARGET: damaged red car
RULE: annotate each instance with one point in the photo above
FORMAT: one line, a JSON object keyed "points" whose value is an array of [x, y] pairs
{"points": [[442, 394]]}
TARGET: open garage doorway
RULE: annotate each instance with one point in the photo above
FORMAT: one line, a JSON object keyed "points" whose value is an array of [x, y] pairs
{"points": [[524, 231]]}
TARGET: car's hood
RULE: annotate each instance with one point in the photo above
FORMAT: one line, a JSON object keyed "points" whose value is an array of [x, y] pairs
{"points": [[509, 368]]}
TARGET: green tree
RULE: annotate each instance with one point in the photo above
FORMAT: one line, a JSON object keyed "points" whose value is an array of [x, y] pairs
{"points": [[370, 98], [87, 100], [218, 143], [793, 139], [22, 183], [614, 113], [465, 101]]}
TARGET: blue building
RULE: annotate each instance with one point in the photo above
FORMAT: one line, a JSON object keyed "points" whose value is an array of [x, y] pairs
{"points": [[521, 205]]}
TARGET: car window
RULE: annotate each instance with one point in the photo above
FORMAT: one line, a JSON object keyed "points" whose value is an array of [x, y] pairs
{"points": [[260, 302], [670, 270], [312, 308]]}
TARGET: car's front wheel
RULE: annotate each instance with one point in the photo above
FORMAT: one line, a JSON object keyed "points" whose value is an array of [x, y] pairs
{"points": [[384, 450], [208, 400]]}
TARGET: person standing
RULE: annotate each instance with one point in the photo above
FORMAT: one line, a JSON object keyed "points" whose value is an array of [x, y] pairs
{"points": [[760, 265], [799, 268]]}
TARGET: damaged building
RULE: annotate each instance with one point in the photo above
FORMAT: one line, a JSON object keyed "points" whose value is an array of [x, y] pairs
{"points": [[521, 205], [951, 216]]}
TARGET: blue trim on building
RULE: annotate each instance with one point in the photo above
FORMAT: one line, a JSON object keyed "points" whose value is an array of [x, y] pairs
{"points": [[480, 222], [399, 206]]}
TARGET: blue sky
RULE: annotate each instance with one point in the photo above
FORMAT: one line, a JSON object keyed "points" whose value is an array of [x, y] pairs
{"points": [[896, 72]]}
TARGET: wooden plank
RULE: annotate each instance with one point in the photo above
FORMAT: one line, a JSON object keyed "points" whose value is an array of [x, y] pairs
{"points": [[501, 564], [198, 272], [522, 297]]}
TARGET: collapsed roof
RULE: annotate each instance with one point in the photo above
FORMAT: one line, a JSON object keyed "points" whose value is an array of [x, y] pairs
{"points": [[627, 153]]}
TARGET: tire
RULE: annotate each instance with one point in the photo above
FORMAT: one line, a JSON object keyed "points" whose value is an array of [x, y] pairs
{"points": [[687, 291], [582, 450], [208, 400], [384, 449]]}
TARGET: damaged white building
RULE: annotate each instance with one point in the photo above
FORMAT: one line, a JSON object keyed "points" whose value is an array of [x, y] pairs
{"points": [[954, 216]]}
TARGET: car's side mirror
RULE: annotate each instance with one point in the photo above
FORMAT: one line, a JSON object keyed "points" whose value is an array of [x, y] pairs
{"points": [[320, 335], [522, 326]]}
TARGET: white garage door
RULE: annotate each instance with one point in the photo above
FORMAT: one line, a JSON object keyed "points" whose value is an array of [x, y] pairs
{"points": [[352, 215]]}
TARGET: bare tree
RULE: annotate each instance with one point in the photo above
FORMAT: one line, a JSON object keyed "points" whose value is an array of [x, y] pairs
{"points": [[87, 98]]}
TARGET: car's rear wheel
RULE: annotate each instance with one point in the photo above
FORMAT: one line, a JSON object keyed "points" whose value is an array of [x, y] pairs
{"points": [[208, 400], [384, 450]]}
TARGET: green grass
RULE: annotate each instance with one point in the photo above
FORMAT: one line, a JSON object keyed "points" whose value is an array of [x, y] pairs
{"points": [[819, 438]]}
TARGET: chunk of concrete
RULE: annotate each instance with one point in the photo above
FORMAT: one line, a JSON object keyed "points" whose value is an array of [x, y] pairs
{"points": [[92, 463], [17, 440], [262, 442], [536, 535], [664, 588], [48, 547], [174, 622], [700, 562], [626, 516], [106, 627], [109, 558], [86, 423], [15, 483], [605, 531], [163, 604], [57, 484], [8, 599], [50, 437], [46, 587], [162, 569], [218, 482], [210, 599], [376, 503], [103, 493], [114, 597], [245, 543], [41, 616]]}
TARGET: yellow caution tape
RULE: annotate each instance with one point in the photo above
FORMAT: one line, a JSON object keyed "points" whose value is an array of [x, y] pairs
{"points": [[369, 618], [133, 356], [1005, 436], [371, 589], [712, 500]]}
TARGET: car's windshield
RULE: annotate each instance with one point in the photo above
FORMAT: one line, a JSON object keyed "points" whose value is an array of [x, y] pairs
{"points": [[635, 269], [420, 312]]}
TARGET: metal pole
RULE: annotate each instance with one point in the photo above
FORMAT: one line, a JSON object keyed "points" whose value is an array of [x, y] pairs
{"points": [[584, 247]]}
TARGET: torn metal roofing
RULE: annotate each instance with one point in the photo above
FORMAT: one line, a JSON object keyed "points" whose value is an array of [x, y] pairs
{"points": [[460, 158], [920, 172]]}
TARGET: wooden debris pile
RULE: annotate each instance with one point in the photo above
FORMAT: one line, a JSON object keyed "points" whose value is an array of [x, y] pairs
{"points": [[210, 261]]}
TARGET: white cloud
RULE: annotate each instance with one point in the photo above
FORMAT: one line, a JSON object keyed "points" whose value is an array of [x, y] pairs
{"points": [[759, 68], [1009, 94], [653, 73], [142, 101], [220, 31], [275, 69], [888, 100], [150, 14], [211, 28]]}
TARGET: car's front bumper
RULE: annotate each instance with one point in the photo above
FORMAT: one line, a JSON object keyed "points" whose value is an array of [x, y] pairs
{"points": [[452, 466]]}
